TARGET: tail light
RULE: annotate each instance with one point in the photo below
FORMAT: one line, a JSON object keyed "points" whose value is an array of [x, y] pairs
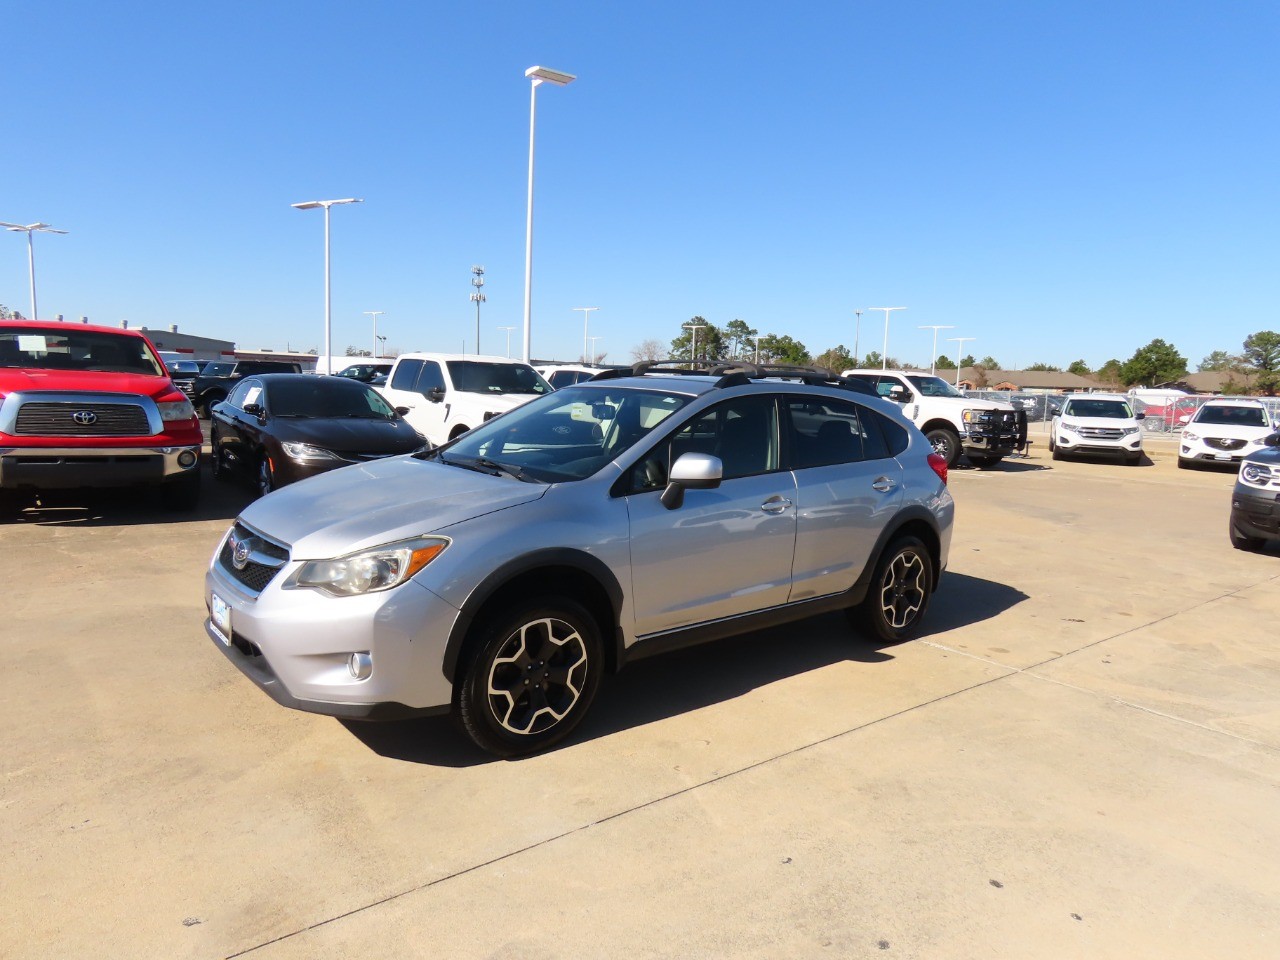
{"points": [[938, 464]]}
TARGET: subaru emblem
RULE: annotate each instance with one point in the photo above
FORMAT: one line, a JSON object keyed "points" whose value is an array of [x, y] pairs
{"points": [[85, 417]]}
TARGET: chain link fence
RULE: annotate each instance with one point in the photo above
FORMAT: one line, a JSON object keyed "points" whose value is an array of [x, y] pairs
{"points": [[1161, 419]]}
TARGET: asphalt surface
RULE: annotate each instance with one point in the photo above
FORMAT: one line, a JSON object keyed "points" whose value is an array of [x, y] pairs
{"points": [[1080, 759]]}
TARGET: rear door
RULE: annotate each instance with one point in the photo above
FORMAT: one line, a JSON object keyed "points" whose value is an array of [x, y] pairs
{"points": [[847, 488]]}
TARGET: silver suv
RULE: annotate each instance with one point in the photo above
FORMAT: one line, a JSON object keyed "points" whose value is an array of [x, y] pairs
{"points": [[502, 575]]}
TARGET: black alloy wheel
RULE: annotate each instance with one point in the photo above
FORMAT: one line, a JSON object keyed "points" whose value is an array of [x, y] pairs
{"points": [[899, 594], [532, 677]]}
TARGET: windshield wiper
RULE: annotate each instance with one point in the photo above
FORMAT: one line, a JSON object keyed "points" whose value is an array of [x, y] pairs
{"points": [[491, 467]]}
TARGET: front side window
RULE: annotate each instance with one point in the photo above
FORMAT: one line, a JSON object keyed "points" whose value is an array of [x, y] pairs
{"points": [[239, 395], [430, 378], [406, 375], [478, 376], [568, 434], [1107, 409], [742, 432], [72, 349]]}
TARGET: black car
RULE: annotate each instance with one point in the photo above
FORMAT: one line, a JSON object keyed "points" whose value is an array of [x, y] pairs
{"points": [[279, 428], [1255, 501], [219, 378]]}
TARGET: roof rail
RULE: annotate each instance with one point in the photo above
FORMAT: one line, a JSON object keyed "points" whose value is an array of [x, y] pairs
{"points": [[736, 373]]}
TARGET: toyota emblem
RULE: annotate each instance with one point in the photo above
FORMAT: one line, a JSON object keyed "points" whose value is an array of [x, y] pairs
{"points": [[85, 417], [240, 554]]}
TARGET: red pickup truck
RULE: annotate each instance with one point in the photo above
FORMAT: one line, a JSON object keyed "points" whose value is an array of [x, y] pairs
{"points": [[86, 406]]}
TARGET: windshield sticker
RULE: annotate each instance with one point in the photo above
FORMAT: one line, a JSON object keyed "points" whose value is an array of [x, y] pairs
{"points": [[252, 395], [32, 343]]}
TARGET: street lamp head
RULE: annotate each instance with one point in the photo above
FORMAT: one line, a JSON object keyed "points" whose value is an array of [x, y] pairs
{"points": [[539, 74], [29, 228], [313, 204]]}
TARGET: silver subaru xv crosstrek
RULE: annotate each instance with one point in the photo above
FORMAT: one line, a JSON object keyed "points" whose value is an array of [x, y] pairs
{"points": [[500, 576]]}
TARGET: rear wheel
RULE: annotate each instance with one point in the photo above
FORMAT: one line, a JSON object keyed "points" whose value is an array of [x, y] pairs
{"points": [[1243, 541], [945, 443], [899, 594], [531, 678]]}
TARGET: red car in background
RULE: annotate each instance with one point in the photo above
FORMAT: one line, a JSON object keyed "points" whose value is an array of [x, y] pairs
{"points": [[89, 406]]}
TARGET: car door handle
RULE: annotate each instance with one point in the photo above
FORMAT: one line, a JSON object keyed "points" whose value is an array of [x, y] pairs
{"points": [[884, 484], [775, 505]]}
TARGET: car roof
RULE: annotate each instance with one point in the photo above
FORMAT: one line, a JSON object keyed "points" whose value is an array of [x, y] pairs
{"points": [[1098, 396], [477, 357], [1232, 402], [336, 383], [64, 325]]}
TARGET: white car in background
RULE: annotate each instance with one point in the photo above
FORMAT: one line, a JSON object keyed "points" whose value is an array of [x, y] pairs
{"points": [[1097, 423], [1224, 431], [566, 374], [443, 395]]}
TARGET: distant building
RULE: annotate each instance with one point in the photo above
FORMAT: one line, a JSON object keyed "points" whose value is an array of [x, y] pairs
{"points": [[1024, 381], [189, 345]]}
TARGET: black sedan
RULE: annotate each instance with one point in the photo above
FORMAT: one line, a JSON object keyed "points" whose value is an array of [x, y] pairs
{"points": [[279, 428]]}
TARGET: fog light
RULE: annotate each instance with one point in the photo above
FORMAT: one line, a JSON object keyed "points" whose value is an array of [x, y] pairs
{"points": [[360, 666], [187, 459]]}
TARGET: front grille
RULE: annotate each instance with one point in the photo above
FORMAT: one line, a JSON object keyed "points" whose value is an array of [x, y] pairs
{"points": [[253, 575], [45, 419], [1101, 433], [1223, 443]]}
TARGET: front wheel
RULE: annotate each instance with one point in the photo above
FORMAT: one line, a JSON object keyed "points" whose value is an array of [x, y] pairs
{"points": [[532, 677], [945, 443], [1057, 453], [900, 591], [266, 479]]}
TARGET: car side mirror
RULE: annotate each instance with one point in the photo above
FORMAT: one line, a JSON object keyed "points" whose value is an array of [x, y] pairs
{"points": [[435, 394], [1272, 440], [254, 409], [692, 471], [1139, 416], [402, 411], [899, 394]]}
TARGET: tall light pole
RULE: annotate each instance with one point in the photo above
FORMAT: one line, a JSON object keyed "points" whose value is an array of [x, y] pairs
{"points": [[693, 346], [508, 329], [884, 356], [376, 340], [857, 335], [960, 342], [29, 229], [593, 348], [586, 315], [933, 364], [375, 314], [477, 281], [757, 340], [328, 313], [539, 76]]}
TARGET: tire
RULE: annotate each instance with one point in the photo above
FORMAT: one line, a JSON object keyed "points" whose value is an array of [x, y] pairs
{"points": [[1242, 542], [899, 594], [945, 442], [458, 431], [1052, 445], [216, 465], [1058, 454], [1184, 464], [984, 461], [1134, 460], [499, 708], [265, 479], [207, 403], [183, 494]]}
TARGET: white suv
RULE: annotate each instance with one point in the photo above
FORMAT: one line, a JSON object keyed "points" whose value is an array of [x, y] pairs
{"points": [[1224, 431], [1097, 423], [443, 395], [567, 374]]}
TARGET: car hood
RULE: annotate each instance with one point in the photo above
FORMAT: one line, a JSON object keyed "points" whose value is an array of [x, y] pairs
{"points": [[975, 403], [500, 402], [88, 381], [1102, 423], [1268, 455], [349, 434], [365, 505], [1229, 431]]}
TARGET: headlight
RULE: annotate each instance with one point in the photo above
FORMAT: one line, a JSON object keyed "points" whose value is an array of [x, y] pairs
{"points": [[1190, 435], [1258, 442], [1255, 473], [1066, 426], [174, 410], [307, 452], [1127, 431], [976, 416], [369, 571]]}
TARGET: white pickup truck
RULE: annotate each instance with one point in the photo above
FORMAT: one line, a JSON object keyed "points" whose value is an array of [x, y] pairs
{"points": [[443, 395], [986, 431]]}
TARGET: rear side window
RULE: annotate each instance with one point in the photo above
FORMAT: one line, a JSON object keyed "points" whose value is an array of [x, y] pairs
{"points": [[826, 432], [894, 435], [406, 374]]}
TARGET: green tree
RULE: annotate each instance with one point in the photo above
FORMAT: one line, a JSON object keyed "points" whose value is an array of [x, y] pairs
{"points": [[968, 361], [739, 339], [945, 363], [1109, 372], [1218, 360], [776, 349], [991, 363], [1044, 368], [837, 358], [1156, 363], [710, 345], [1262, 352], [1079, 368]]}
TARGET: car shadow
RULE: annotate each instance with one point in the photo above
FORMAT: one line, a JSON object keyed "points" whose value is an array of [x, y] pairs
{"points": [[1007, 465], [687, 680], [122, 507]]}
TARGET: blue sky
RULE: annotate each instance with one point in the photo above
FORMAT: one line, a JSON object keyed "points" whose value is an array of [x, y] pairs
{"points": [[1059, 181]]}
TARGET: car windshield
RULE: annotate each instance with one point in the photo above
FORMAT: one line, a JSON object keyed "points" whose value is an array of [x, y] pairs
{"points": [[934, 387], [75, 349], [1232, 416], [567, 435], [216, 369], [1109, 409], [362, 371], [477, 376], [323, 398], [182, 366]]}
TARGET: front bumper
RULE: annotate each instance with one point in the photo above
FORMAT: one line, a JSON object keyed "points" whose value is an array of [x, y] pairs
{"points": [[295, 644], [50, 468], [1256, 513], [1199, 450], [1123, 446]]}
